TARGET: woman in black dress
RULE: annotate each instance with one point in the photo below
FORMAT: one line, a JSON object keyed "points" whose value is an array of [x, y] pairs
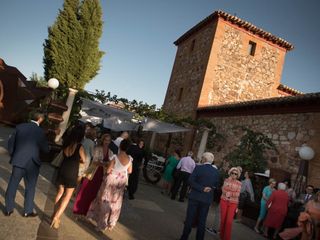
{"points": [[73, 154]]}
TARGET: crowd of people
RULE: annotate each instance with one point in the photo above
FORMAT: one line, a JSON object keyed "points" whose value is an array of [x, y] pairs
{"points": [[93, 172], [283, 214], [96, 174]]}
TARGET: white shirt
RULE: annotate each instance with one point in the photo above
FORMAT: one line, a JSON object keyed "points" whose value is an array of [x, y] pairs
{"points": [[211, 165], [35, 122], [186, 164], [118, 141]]}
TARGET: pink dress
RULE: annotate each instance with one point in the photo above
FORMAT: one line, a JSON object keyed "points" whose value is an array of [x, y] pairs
{"points": [[89, 189], [105, 209]]}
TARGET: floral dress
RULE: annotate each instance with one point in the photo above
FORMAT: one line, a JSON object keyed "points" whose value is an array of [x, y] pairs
{"points": [[105, 209]]}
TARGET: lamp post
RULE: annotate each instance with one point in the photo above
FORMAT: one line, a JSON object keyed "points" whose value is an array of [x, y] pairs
{"points": [[53, 83], [47, 108], [306, 153], [63, 125]]}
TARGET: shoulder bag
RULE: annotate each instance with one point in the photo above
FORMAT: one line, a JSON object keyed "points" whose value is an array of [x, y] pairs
{"points": [[57, 161]]}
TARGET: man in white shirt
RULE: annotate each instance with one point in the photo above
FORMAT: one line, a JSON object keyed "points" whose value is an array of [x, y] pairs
{"points": [[124, 135], [185, 166]]}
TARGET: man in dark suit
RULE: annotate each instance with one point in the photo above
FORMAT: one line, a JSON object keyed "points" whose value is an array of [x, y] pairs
{"points": [[203, 180], [137, 153], [307, 196], [24, 146]]}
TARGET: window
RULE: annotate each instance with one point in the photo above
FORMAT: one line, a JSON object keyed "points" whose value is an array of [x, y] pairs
{"points": [[180, 94], [192, 45], [252, 48]]}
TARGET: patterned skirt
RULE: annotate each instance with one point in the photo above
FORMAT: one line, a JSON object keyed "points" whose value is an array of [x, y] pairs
{"points": [[105, 209]]}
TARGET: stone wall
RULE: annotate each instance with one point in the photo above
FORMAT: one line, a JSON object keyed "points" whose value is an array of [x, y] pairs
{"points": [[237, 76], [213, 67], [187, 73], [287, 131]]}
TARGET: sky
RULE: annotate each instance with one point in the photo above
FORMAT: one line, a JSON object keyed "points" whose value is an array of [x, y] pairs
{"points": [[138, 39]]}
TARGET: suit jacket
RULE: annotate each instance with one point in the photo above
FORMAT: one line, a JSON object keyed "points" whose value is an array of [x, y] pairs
{"points": [[25, 144], [302, 198], [113, 147], [137, 154], [203, 176]]}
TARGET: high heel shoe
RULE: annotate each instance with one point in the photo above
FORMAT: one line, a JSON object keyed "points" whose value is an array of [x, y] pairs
{"points": [[110, 227], [55, 223], [257, 230]]}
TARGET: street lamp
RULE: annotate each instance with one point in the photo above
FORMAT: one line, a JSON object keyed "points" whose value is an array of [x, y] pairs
{"points": [[66, 114], [306, 153], [53, 83]]}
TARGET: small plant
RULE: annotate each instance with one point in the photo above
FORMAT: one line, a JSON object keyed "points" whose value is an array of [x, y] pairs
{"points": [[250, 154]]}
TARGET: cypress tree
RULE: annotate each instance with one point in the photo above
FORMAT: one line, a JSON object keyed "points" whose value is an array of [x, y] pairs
{"points": [[90, 18], [71, 52]]}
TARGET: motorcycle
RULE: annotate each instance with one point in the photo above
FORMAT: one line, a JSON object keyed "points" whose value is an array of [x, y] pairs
{"points": [[153, 168]]}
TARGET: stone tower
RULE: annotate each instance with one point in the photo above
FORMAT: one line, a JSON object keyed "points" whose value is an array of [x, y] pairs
{"points": [[223, 60]]}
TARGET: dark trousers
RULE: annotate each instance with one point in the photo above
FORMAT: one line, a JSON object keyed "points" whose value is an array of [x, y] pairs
{"points": [[30, 177], [183, 178], [195, 209], [133, 182]]}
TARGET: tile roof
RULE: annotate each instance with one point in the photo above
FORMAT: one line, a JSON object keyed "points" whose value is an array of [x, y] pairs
{"points": [[300, 100], [289, 90], [240, 23]]}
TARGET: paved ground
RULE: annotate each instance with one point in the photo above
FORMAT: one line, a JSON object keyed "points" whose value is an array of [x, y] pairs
{"points": [[151, 216]]}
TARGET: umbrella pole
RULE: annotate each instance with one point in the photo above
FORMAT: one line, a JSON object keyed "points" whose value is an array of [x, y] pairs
{"points": [[168, 144], [153, 138]]}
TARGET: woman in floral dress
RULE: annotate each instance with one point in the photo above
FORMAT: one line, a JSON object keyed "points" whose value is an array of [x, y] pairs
{"points": [[105, 209], [89, 188]]}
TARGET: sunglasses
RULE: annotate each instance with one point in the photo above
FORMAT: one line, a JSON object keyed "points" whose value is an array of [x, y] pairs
{"points": [[234, 173]]}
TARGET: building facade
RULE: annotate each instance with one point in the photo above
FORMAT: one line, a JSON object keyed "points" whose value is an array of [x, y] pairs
{"points": [[228, 71], [222, 60]]}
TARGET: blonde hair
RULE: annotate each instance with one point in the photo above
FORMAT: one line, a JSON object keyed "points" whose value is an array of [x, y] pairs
{"points": [[103, 137], [272, 180]]}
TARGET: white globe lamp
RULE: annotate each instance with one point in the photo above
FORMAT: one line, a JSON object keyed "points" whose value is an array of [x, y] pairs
{"points": [[53, 83], [306, 152]]}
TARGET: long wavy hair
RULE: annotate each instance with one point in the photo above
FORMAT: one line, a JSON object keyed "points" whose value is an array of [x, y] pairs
{"points": [[75, 137]]}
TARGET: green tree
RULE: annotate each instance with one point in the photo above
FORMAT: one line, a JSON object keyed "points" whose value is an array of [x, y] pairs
{"points": [[71, 52], [40, 81], [250, 153], [90, 16], [101, 96]]}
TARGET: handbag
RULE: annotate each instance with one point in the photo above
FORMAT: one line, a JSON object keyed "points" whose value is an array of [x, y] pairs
{"points": [[57, 161], [91, 171]]}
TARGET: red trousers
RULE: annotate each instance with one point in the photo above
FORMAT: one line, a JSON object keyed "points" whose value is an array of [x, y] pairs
{"points": [[227, 211]]}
